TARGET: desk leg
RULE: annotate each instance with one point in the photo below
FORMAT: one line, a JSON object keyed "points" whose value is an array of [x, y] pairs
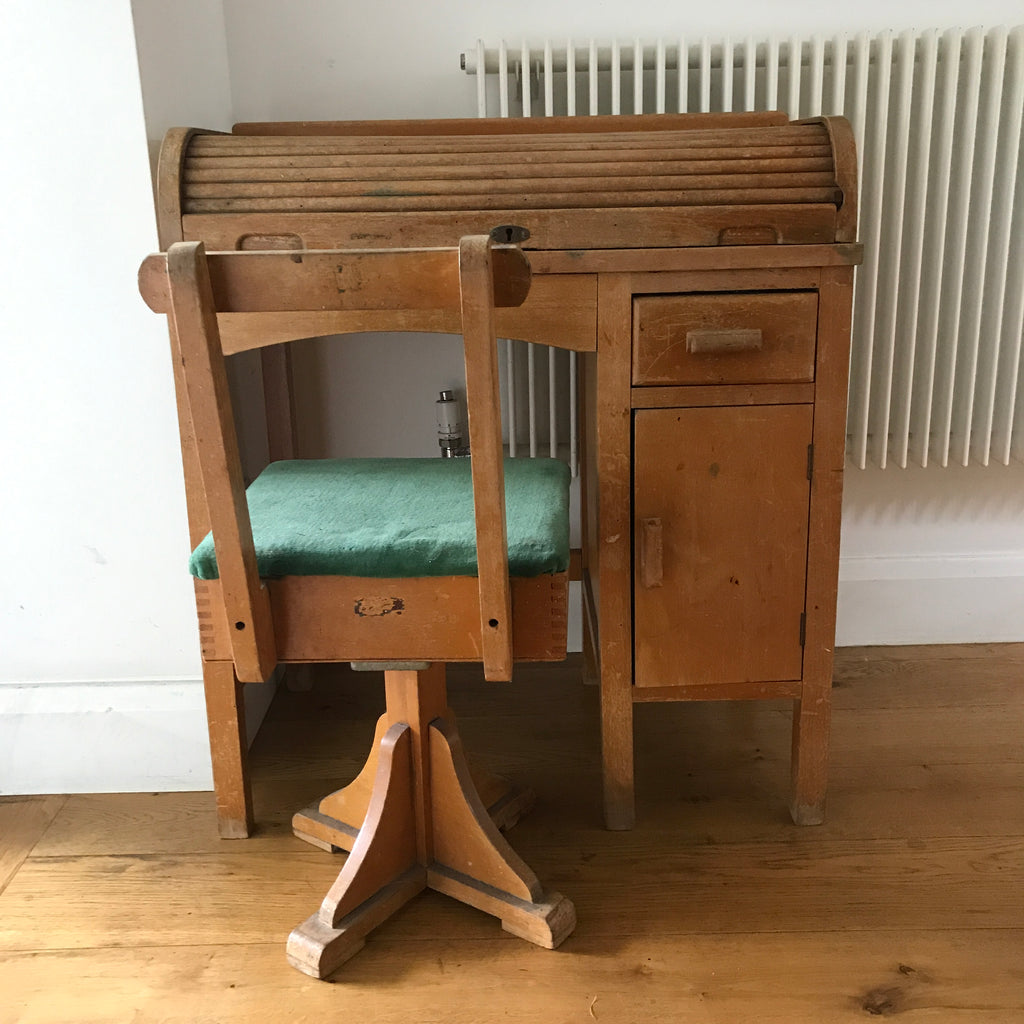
{"points": [[812, 716], [616, 729], [617, 753], [225, 715], [614, 544]]}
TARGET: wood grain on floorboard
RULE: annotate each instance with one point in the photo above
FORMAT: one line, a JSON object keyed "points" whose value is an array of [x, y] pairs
{"points": [[908, 901]]}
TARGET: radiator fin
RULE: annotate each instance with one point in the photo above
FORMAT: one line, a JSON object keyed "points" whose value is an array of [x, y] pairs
{"points": [[936, 368]]}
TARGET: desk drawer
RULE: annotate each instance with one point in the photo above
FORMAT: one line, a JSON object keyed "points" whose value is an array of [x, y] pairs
{"points": [[724, 338]]}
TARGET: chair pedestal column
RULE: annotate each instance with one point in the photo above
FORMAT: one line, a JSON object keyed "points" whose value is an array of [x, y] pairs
{"points": [[425, 827]]}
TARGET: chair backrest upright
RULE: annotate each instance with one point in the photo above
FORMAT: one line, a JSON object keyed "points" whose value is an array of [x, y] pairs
{"points": [[193, 316], [193, 287]]}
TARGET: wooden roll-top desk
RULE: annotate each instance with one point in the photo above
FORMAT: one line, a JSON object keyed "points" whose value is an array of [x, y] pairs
{"points": [[702, 266]]}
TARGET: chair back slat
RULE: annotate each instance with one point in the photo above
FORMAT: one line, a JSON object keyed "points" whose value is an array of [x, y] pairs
{"points": [[209, 401], [483, 406]]}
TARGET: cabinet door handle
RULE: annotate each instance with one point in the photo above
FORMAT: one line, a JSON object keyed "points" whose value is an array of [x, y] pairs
{"points": [[651, 548], [737, 339]]}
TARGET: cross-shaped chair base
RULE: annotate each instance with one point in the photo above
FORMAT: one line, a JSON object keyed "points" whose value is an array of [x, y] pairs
{"points": [[425, 826], [333, 822]]}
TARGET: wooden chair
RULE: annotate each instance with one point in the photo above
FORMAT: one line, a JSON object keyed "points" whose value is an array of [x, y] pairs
{"points": [[475, 570]]}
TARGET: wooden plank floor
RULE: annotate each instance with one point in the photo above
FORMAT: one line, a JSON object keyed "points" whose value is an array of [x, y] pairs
{"points": [[908, 902]]}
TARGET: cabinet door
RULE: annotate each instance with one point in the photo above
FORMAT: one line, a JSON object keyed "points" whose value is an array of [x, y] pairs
{"points": [[720, 516]]}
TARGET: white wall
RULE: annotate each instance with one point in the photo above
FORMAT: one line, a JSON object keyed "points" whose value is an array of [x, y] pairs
{"points": [[93, 514], [101, 683], [321, 59], [183, 73], [182, 66], [928, 555]]}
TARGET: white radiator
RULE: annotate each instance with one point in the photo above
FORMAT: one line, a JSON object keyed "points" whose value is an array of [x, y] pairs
{"points": [[936, 369]]}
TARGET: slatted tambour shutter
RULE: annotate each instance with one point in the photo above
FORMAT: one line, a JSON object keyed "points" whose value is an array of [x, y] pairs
{"points": [[539, 178]]}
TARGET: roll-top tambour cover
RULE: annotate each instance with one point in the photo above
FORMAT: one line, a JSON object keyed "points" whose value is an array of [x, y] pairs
{"points": [[667, 181]]}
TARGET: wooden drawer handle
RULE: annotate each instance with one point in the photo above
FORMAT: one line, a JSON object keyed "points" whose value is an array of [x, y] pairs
{"points": [[651, 548], [740, 339]]}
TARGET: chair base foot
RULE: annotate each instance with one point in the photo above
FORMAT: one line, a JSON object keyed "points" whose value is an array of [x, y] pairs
{"points": [[323, 831], [426, 825], [317, 949], [547, 922]]}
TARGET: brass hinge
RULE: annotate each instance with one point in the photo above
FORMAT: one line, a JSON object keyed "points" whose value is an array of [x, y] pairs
{"points": [[810, 461], [803, 628]]}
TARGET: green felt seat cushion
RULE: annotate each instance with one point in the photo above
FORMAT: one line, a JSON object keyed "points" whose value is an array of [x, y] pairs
{"points": [[396, 518]]}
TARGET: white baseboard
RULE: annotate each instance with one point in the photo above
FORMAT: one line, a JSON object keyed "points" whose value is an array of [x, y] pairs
{"points": [[110, 737], [920, 599]]}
